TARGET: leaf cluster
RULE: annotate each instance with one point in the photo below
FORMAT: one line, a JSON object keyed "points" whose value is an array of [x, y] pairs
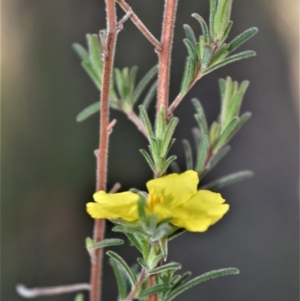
{"points": [[211, 51], [124, 92]]}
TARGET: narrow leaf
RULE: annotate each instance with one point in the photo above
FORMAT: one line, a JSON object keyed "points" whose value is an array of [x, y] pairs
{"points": [[188, 75], [150, 96], [95, 50], [188, 154], [181, 279], [220, 54], [122, 262], [143, 83], [230, 59], [168, 136], [148, 159], [135, 240], [190, 34], [108, 243], [228, 180], [154, 290], [168, 162], [176, 233], [212, 14], [242, 38], [202, 278], [191, 49], [119, 274], [146, 121], [202, 154], [205, 30], [202, 125], [81, 52], [206, 56], [87, 66], [175, 167], [172, 266], [227, 31], [217, 158], [88, 111]]}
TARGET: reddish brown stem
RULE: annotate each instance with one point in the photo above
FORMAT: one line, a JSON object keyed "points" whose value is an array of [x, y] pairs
{"points": [[137, 121], [102, 154], [137, 286], [138, 23], [164, 55], [180, 96]]}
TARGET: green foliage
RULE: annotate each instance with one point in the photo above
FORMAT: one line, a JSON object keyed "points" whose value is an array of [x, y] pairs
{"points": [[128, 92], [160, 139], [79, 297], [90, 244], [211, 51]]}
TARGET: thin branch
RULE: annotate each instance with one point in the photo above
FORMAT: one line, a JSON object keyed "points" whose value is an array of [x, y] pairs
{"points": [[138, 23], [137, 286], [180, 96], [25, 292], [108, 57], [137, 121], [115, 188], [165, 54]]}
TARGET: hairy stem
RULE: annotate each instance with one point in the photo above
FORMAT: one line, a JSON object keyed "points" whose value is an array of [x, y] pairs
{"points": [[137, 286], [102, 154], [138, 23], [50, 291], [164, 55]]}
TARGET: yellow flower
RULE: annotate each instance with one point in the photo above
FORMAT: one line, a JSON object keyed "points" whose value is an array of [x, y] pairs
{"points": [[174, 195]]}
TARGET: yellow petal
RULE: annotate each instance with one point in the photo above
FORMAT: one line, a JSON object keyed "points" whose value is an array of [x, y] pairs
{"points": [[175, 188], [114, 205], [201, 211]]}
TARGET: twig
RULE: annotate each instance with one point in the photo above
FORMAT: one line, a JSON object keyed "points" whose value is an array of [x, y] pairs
{"points": [[180, 96], [137, 121], [25, 292], [138, 23], [115, 188], [108, 57], [137, 286], [165, 54]]}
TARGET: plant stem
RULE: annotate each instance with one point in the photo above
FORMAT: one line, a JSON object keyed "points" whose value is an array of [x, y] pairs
{"points": [[180, 96], [50, 291], [138, 23], [137, 121], [164, 55], [102, 154], [137, 286]]}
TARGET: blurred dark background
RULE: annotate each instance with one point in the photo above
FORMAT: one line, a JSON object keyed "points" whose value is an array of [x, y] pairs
{"points": [[48, 163]]}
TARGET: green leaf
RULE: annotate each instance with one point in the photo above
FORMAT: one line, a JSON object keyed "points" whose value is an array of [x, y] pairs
{"points": [[206, 56], [222, 18], [236, 102], [176, 233], [202, 154], [142, 212], [79, 297], [190, 34], [119, 82], [81, 52], [220, 54], [226, 100], [154, 290], [197, 136], [172, 266], [149, 96], [163, 244], [131, 230], [230, 59], [227, 31], [228, 180], [148, 159], [205, 30], [87, 66], [202, 125], [188, 154], [175, 167], [146, 121], [231, 130], [119, 274], [160, 124], [161, 231], [181, 279], [143, 83], [188, 75], [88, 111], [214, 132], [108, 243], [167, 163], [124, 265], [217, 158], [202, 278], [191, 50], [212, 15], [136, 240], [168, 136], [242, 38], [95, 51]]}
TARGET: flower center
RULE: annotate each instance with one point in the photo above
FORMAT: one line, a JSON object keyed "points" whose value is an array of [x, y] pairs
{"points": [[154, 199]]}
